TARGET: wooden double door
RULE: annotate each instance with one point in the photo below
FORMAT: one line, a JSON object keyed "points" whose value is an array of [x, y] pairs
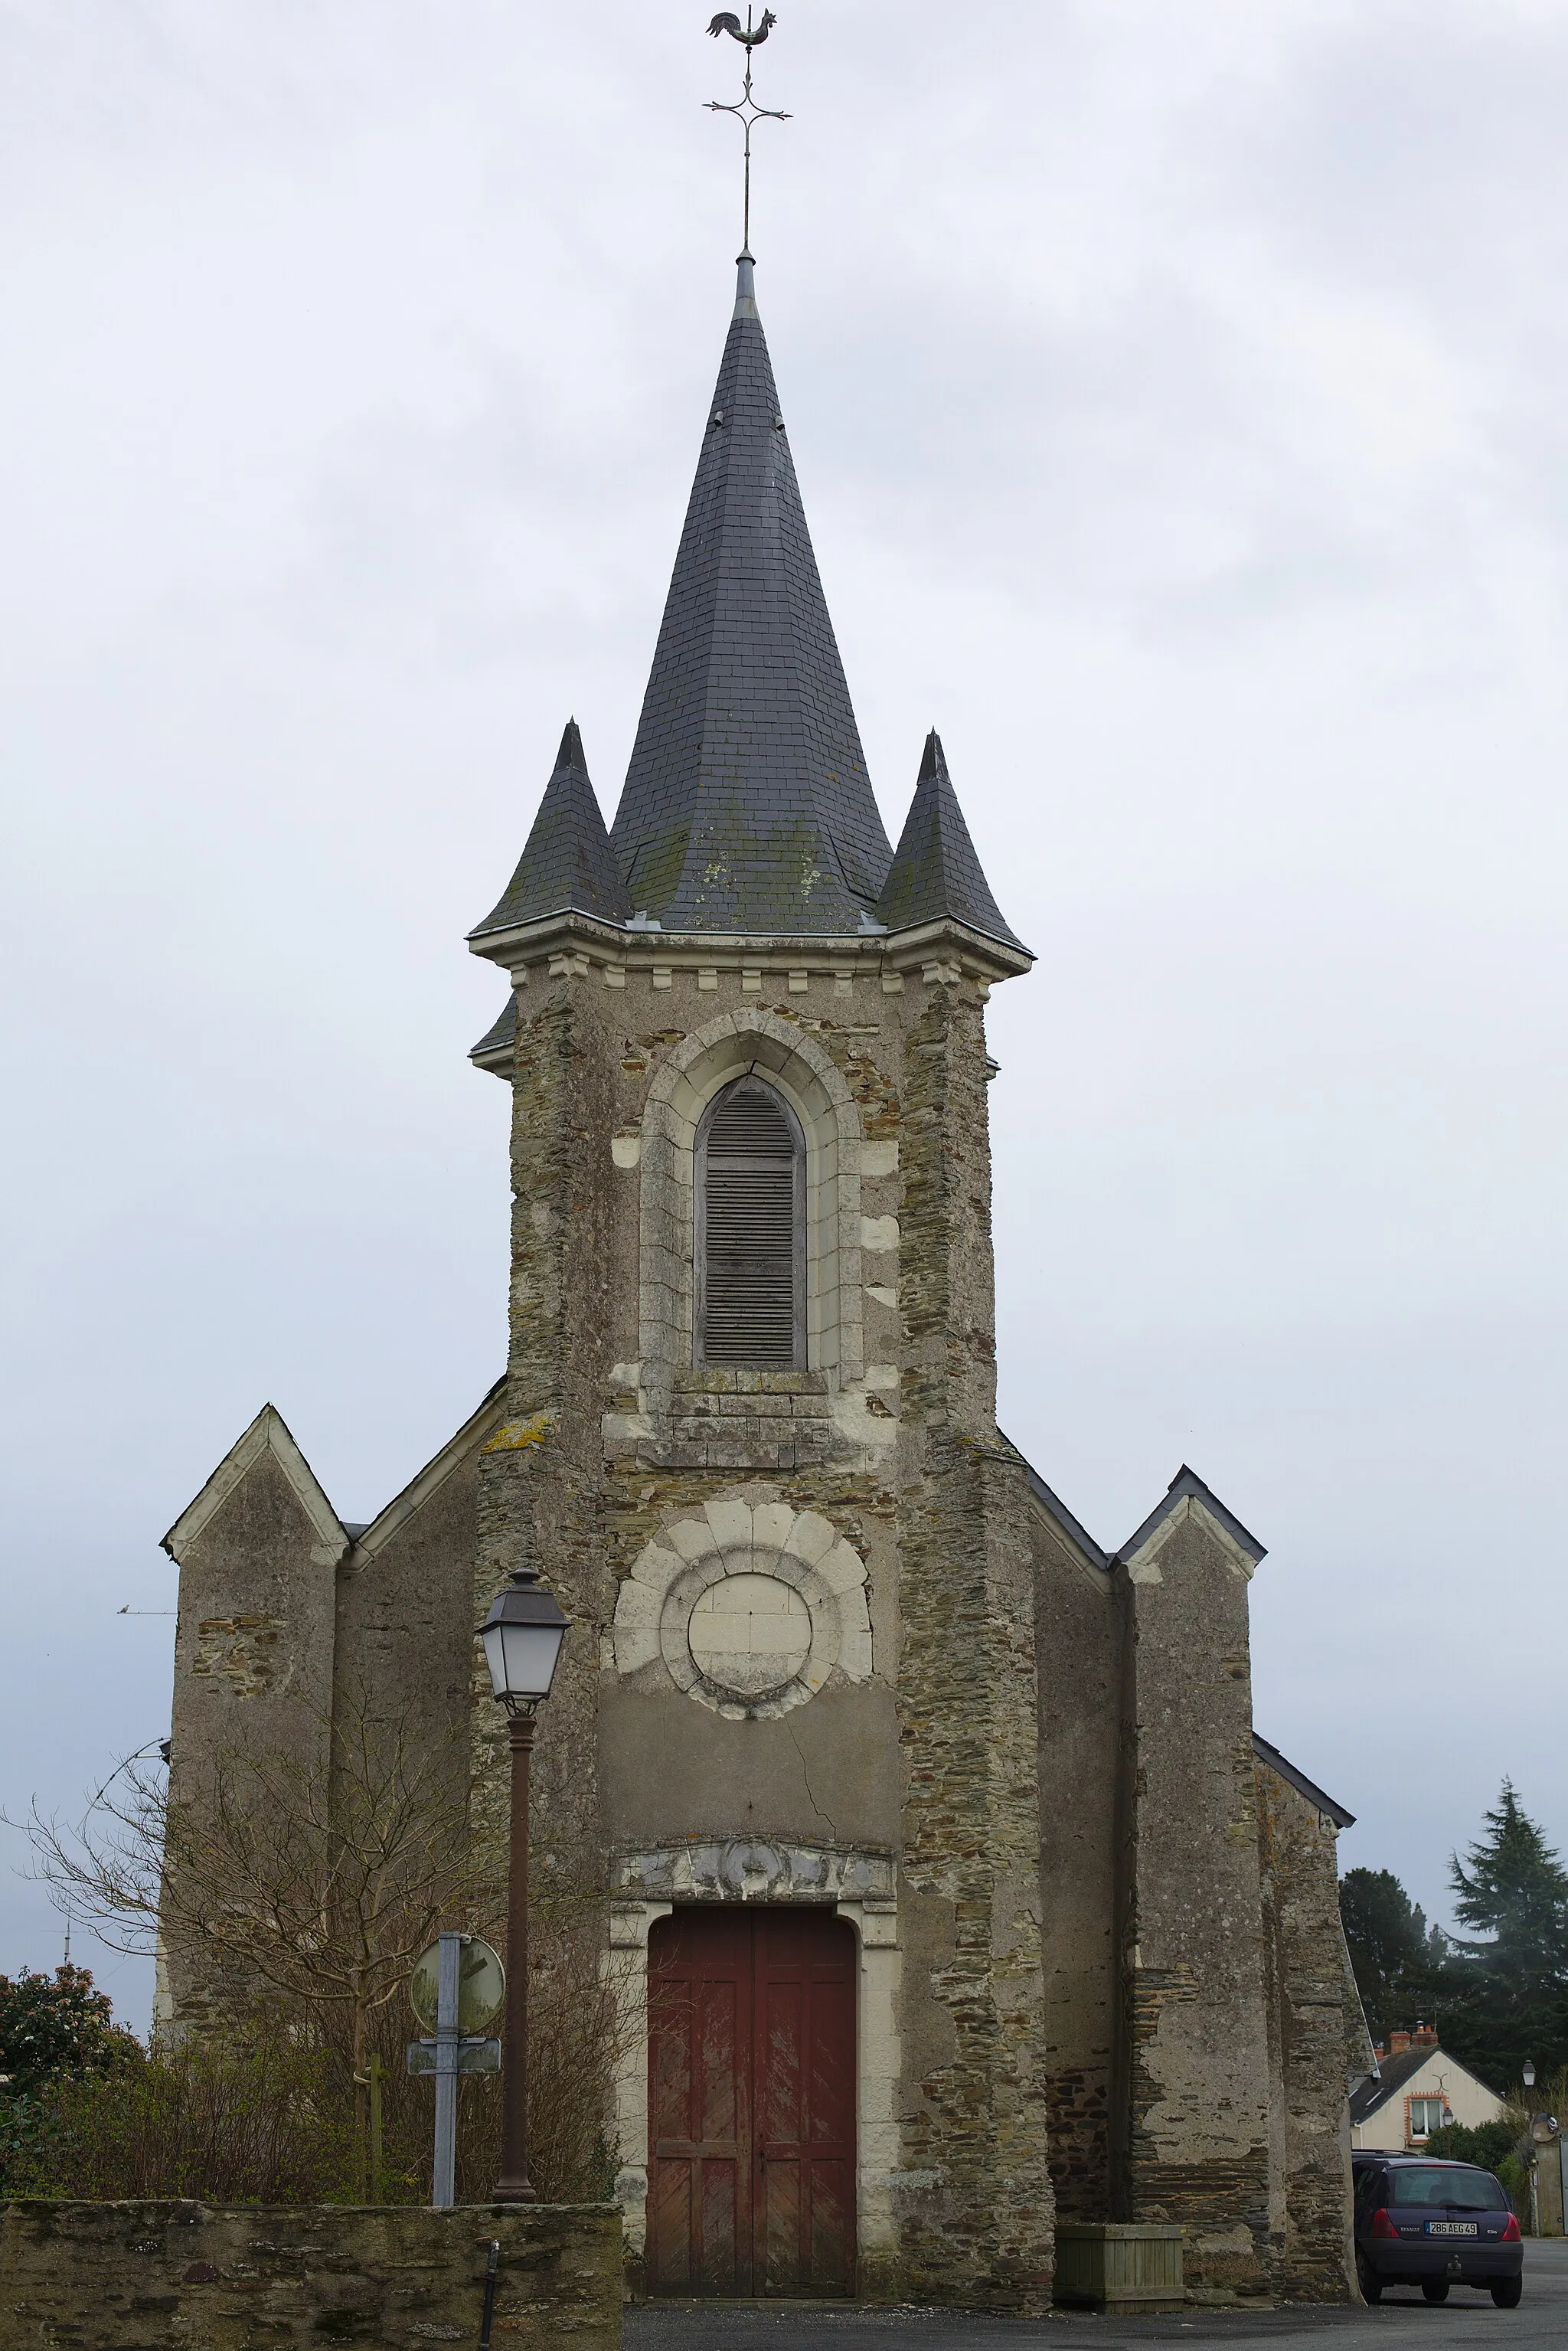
{"points": [[751, 2102]]}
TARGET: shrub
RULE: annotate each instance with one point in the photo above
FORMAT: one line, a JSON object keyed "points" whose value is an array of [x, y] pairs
{"points": [[268, 2124], [1514, 2173], [1488, 2144], [54, 2030], [272, 2113], [55, 2024], [1503, 2148]]}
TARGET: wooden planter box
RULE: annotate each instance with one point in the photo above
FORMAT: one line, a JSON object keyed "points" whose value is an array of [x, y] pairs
{"points": [[1118, 2266]]}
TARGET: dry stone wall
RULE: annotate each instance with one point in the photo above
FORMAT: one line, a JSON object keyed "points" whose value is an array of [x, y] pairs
{"points": [[162, 2277]]}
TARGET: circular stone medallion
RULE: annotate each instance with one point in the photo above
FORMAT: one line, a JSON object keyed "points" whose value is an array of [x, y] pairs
{"points": [[750, 1633]]}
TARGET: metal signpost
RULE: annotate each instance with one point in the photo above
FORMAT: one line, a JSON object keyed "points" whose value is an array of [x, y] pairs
{"points": [[457, 1987]]}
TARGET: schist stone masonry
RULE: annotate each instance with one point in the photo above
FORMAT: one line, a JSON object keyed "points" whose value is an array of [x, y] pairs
{"points": [[957, 1895]]}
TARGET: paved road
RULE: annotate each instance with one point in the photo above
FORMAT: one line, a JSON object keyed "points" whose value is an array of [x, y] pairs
{"points": [[1401, 2320]]}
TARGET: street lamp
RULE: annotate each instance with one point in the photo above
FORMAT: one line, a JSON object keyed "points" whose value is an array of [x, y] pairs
{"points": [[522, 1636], [1530, 2072]]}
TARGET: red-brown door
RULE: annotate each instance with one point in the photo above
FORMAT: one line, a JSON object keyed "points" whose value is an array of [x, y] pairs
{"points": [[751, 2102]]}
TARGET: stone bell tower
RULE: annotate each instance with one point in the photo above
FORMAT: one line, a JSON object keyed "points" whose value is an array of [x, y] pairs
{"points": [[750, 1439]]}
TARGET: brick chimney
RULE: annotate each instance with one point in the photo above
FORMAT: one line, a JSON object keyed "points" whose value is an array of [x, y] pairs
{"points": [[1379, 2052], [1426, 2036], [1397, 2043]]}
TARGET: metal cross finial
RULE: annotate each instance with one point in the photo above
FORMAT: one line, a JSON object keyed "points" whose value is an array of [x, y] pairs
{"points": [[748, 111]]}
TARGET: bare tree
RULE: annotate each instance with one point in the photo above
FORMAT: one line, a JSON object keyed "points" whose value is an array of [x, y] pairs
{"points": [[284, 1885], [286, 1895]]}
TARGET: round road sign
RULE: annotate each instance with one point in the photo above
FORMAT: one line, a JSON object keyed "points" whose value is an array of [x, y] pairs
{"points": [[481, 1985]]}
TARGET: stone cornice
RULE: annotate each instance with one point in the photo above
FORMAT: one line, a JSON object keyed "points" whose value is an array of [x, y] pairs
{"points": [[571, 945], [977, 956]]}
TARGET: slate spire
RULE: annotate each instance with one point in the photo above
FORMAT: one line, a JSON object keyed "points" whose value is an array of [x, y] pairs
{"points": [[746, 806], [934, 870], [568, 863]]}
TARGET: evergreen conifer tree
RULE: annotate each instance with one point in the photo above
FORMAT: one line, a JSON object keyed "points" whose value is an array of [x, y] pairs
{"points": [[1398, 1960], [1505, 1998]]}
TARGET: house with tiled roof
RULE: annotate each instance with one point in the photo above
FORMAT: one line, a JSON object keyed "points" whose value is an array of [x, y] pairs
{"points": [[1416, 2089]]}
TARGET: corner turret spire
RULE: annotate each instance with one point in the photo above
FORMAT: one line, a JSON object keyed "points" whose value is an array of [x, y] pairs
{"points": [[567, 864], [746, 806], [936, 874]]}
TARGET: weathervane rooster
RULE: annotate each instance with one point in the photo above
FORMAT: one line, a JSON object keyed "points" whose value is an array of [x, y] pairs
{"points": [[748, 40], [748, 111]]}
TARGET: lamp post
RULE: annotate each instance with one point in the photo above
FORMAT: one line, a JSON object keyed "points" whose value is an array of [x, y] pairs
{"points": [[522, 1636]]}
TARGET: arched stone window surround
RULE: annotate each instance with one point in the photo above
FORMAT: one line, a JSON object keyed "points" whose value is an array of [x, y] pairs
{"points": [[814, 1087]]}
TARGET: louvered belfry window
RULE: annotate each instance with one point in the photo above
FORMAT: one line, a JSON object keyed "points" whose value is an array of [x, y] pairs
{"points": [[750, 1225]]}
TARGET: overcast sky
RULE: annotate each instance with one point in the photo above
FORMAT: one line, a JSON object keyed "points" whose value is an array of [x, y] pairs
{"points": [[1178, 393]]}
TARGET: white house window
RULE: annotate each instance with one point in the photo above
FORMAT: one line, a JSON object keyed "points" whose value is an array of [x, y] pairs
{"points": [[749, 1206], [1425, 2115]]}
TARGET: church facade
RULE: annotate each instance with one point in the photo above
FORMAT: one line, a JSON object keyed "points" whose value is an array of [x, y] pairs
{"points": [[957, 1898]]}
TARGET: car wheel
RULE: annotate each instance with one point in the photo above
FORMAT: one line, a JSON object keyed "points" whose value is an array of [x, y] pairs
{"points": [[1435, 2289], [1366, 2277], [1506, 2291]]}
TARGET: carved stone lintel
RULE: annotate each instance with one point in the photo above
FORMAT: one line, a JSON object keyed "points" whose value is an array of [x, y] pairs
{"points": [[755, 1869]]}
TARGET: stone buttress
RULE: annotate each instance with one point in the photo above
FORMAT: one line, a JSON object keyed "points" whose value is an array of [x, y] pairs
{"points": [[1198, 2149]]}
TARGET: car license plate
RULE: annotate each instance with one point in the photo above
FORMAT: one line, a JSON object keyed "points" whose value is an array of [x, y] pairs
{"points": [[1450, 2227]]}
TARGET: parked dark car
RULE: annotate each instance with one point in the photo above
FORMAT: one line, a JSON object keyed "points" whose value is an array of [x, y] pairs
{"points": [[1420, 2222]]}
